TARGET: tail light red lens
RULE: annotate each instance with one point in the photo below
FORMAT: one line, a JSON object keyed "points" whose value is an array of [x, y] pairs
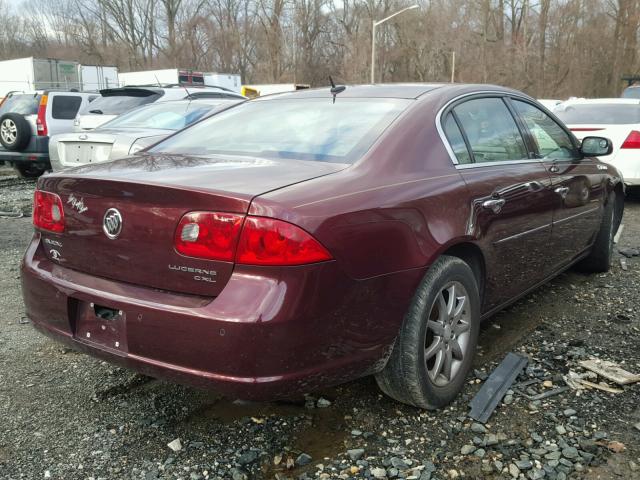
{"points": [[632, 141], [48, 213], [41, 119], [257, 241], [208, 235], [266, 241]]}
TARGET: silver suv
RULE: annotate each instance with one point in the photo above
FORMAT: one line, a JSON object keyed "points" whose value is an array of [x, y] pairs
{"points": [[27, 120]]}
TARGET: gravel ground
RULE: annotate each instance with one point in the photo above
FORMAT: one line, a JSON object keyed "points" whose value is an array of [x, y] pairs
{"points": [[64, 415]]}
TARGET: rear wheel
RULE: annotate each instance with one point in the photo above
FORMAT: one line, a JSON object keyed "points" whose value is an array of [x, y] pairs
{"points": [[30, 170], [599, 260], [433, 353]]}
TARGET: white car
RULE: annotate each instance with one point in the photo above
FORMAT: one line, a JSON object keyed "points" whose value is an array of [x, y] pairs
{"points": [[549, 103], [116, 101], [617, 119], [130, 132]]}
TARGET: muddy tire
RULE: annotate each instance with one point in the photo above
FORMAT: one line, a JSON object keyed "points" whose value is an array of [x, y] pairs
{"points": [[15, 131], [434, 350], [599, 259]]}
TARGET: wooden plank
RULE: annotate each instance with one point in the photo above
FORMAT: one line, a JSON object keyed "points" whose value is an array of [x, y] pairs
{"points": [[610, 371]]}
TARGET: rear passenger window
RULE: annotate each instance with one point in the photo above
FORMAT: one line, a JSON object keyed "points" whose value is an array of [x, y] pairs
{"points": [[65, 107], [454, 135], [551, 140], [491, 130]]}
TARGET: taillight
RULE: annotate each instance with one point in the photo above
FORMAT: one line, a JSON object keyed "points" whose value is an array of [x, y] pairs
{"points": [[208, 235], [41, 120], [632, 141], [257, 241], [48, 213], [266, 241]]}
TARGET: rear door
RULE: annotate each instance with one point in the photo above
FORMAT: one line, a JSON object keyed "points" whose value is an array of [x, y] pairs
{"points": [[511, 204], [577, 184]]}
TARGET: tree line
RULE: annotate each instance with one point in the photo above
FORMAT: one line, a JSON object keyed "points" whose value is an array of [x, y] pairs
{"points": [[547, 48]]}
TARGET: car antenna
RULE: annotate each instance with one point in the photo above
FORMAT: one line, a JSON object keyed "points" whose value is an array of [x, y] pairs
{"points": [[336, 89]]}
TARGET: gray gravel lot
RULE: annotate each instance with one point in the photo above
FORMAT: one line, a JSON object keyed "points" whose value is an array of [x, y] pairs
{"points": [[64, 415]]}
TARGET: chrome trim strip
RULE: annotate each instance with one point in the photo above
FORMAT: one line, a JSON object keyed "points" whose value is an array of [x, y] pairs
{"points": [[438, 119], [591, 210], [522, 234], [465, 166]]}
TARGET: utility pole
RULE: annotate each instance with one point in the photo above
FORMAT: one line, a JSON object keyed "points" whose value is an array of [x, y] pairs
{"points": [[373, 39]]}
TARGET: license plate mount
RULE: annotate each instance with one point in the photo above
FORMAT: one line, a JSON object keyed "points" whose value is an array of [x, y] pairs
{"points": [[102, 326]]}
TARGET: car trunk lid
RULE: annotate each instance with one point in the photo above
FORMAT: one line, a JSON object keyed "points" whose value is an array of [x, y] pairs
{"points": [[151, 194]]}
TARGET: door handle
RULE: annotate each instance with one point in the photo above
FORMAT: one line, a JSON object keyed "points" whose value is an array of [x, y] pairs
{"points": [[534, 186], [562, 191], [554, 168], [495, 204]]}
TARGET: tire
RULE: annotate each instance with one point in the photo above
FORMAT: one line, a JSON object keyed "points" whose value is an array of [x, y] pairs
{"points": [[29, 170], [599, 259], [411, 375], [15, 131]]}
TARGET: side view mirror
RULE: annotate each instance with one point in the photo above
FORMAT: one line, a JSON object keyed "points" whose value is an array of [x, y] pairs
{"points": [[596, 146]]}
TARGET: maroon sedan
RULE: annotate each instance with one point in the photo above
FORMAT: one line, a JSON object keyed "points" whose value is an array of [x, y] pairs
{"points": [[303, 240]]}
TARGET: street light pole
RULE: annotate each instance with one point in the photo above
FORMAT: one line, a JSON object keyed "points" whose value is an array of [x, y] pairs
{"points": [[373, 39]]}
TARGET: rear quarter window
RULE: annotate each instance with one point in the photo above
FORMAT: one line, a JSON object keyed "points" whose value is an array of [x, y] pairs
{"points": [[24, 104], [65, 107]]}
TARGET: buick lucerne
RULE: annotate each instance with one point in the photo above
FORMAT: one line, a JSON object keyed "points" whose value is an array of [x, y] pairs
{"points": [[302, 240]]}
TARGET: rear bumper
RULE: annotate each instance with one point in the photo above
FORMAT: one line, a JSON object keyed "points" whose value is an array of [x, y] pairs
{"points": [[271, 333], [23, 157], [37, 151]]}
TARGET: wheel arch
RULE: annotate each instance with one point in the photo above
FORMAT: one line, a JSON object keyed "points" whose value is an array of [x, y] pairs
{"points": [[472, 255], [618, 189]]}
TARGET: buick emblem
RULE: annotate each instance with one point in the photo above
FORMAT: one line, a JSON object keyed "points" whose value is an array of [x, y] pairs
{"points": [[112, 223], [83, 137]]}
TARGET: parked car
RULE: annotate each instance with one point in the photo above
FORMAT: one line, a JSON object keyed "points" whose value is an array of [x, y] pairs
{"points": [[632, 91], [27, 120], [615, 118], [305, 239], [116, 101], [130, 132], [549, 103]]}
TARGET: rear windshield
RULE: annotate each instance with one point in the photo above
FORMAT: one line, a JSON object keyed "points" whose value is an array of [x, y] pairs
{"points": [[116, 104], [304, 129], [604, 113], [25, 104], [162, 115]]}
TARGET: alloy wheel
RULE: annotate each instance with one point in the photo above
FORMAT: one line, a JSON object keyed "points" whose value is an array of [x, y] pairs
{"points": [[8, 131], [447, 335]]}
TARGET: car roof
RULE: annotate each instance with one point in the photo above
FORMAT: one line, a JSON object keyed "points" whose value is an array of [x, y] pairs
{"points": [[143, 90], [390, 90], [198, 100], [601, 101], [381, 90]]}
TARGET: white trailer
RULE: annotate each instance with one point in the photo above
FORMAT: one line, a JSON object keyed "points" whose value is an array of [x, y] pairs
{"points": [[29, 74], [229, 81], [252, 91], [97, 77], [179, 76]]}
